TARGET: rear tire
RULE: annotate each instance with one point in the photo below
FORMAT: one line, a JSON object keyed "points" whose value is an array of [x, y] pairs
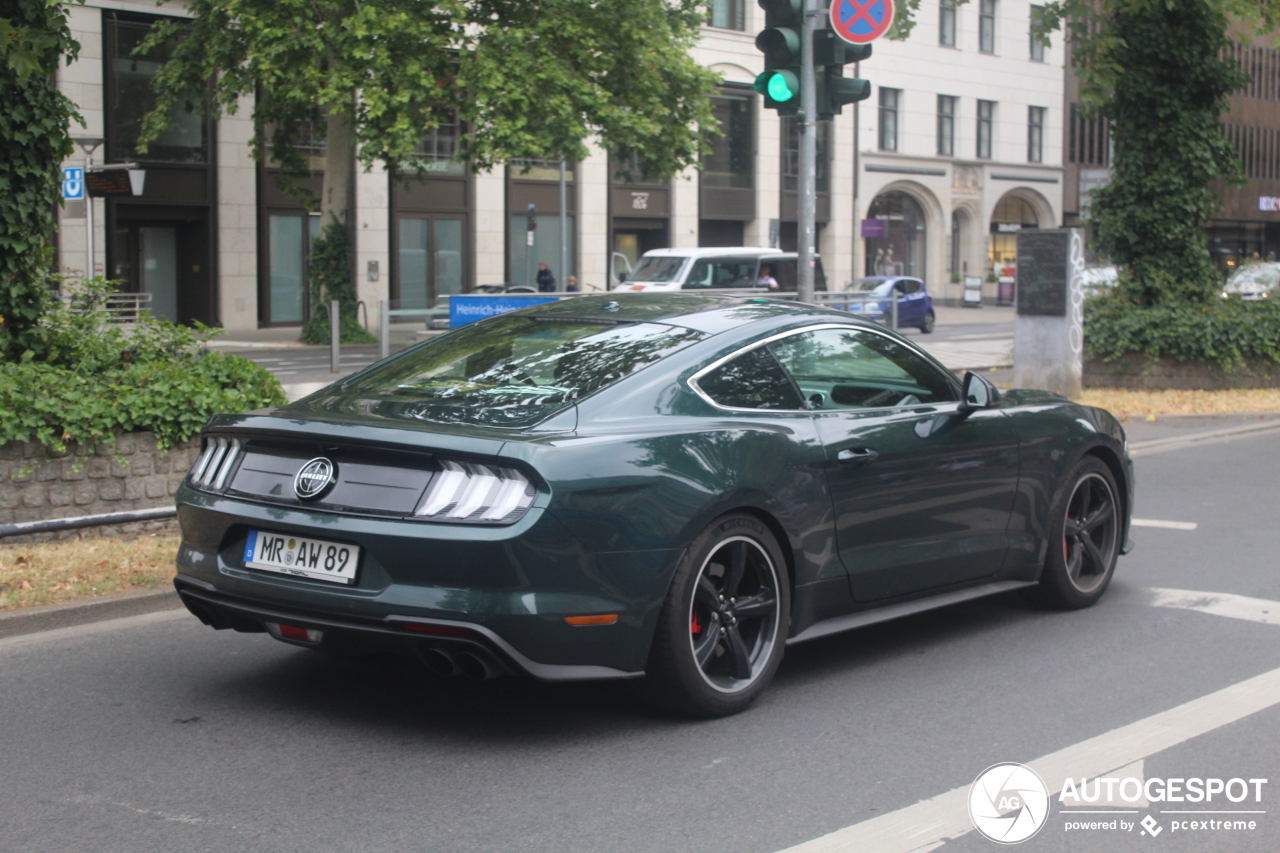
{"points": [[723, 626], [1084, 541], [927, 326]]}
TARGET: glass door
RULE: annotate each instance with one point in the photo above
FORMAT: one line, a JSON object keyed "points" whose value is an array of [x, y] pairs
{"points": [[429, 259], [289, 237], [158, 256]]}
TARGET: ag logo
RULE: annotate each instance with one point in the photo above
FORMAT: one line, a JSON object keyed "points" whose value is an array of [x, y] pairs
{"points": [[1008, 802], [314, 479]]}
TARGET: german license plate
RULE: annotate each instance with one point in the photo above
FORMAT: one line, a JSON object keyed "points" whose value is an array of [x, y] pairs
{"points": [[304, 558]]}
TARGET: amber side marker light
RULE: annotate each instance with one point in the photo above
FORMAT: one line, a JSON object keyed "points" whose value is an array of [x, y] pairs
{"points": [[600, 619]]}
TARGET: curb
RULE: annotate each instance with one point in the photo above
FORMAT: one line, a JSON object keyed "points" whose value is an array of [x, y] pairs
{"points": [[1177, 442], [48, 617]]}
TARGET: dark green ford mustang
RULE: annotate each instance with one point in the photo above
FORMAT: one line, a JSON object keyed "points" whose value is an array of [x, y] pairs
{"points": [[661, 487]]}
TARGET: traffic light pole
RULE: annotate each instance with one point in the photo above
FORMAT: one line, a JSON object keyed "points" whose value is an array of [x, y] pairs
{"points": [[808, 119]]}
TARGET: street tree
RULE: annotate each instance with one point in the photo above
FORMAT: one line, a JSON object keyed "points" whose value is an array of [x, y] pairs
{"points": [[34, 122], [526, 79], [1158, 73]]}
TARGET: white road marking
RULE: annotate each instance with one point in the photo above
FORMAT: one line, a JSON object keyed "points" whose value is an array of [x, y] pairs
{"points": [[930, 823], [1168, 525], [94, 628], [1178, 442], [1220, 604]]}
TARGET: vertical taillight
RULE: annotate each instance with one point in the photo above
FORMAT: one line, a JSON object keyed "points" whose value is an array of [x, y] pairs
{"points": [[214, 464], [471, 491]]}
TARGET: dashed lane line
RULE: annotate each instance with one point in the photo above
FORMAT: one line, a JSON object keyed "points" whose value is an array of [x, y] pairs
{"points": [[1168, 525], [1219, 604], [929, 824]]}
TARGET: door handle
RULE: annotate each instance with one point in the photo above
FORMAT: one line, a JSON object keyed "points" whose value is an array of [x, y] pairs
{"points": [[856, 454]]}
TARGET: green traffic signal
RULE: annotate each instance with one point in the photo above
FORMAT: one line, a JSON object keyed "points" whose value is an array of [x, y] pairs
{"points": [[779, 41], [781, 86]]}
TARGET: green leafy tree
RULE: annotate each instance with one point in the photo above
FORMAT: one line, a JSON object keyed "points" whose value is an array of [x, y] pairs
{"points": [[527, 79], [34, 122], [1157, 72]]}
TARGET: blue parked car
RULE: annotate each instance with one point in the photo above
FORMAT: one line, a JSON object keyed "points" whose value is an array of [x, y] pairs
{"points": [[915, 306]]}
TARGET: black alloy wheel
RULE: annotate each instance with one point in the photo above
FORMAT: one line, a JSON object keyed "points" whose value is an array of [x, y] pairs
{"points": [[927, 326], [723, 627], [1085, 542]]}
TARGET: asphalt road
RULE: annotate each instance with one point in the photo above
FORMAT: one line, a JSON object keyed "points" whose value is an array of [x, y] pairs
{"points": [[167, 736]]}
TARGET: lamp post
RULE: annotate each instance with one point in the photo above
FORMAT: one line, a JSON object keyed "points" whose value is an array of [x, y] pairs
{"points": [[88, 144]]}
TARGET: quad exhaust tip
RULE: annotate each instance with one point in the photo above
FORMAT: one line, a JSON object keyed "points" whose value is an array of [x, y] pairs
{"points": [[460, 662]]}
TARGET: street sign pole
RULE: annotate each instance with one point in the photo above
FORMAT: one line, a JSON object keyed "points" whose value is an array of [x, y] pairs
{"points": [[88, 145], [564, 234], [808, 119]]}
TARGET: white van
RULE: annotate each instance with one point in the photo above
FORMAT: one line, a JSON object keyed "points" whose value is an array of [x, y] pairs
{"points": [[717, 268]]}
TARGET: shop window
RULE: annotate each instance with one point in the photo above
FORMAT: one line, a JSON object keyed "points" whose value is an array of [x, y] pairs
{"points": [[540, 169], [731, 162], [545, 249], [900, 250], [130, 98], [289, 237]]}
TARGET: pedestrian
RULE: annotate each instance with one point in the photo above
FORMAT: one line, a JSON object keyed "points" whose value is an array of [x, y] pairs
{"points": [[546, 281], [572, 285]]}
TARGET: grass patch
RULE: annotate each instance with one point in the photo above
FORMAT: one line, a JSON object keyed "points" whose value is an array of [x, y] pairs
{"points": [[53, 572], [1234, 401]]}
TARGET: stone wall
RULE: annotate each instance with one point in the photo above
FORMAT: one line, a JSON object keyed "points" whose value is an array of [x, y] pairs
{"points": [[128, 473], [1138, 373]]}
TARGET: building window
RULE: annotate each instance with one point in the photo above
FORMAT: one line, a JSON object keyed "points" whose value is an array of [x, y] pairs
{"points": [[947, 23], [732, 159], [791, 155], [439, 145], [986, 121], [1037, 46], [728, 14], [1088, 139], [900, 236], [987, 26], [130, 97], [1035, 134], [946, 125], [889, 118]]}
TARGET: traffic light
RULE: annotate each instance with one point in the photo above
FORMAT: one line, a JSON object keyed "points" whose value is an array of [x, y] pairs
{"points": [[830, 54], [779, 41]]}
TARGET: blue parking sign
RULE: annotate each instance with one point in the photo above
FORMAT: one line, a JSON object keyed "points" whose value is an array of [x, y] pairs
{"points": [[73, 184]]}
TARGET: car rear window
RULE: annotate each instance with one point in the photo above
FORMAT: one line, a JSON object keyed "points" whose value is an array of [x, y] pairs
{"points": [[512, 370]]}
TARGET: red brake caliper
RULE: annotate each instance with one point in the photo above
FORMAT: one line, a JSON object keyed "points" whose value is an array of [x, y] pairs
{"points": [[695, 625]]}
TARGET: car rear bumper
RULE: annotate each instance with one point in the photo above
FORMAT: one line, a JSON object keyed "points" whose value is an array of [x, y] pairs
{"points": [[403, 634], [507, 590]]}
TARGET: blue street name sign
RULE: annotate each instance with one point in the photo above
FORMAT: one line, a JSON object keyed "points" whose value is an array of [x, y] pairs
{"points": [[468, 309]]}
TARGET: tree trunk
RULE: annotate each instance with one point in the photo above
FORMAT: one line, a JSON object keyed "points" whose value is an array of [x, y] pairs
{"points": [[339, 155]]}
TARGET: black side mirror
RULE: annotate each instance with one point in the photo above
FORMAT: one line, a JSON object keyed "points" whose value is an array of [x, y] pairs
{"points": [[977, 393]]}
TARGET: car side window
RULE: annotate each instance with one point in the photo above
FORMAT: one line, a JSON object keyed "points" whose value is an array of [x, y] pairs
{"points": [[909, 286], [717, 273], [860, 369], [753, 380], [784, 270]]}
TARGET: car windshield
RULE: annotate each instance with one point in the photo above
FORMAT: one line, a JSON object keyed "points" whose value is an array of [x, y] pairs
{"points": [[658, 269], [872, 285], [514, 370]]}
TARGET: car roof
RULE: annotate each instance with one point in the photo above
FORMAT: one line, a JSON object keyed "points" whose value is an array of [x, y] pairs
{"points": [[710, 313], [718, 252]]}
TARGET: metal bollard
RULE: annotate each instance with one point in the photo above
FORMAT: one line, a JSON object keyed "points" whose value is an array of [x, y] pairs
{"points": [[384, 328], [334, 322]]}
